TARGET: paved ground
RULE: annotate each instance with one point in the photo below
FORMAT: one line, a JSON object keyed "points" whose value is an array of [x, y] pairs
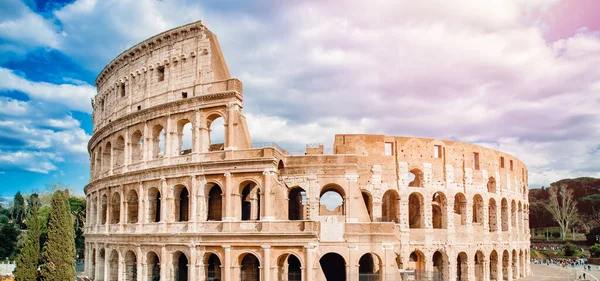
{"points": [[555, 273]]}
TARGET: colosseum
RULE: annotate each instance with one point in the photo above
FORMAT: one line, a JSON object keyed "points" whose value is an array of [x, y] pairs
{"points": [[179, 192]]}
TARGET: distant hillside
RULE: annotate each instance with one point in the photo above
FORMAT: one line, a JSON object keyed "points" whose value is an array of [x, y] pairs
{"points": [[585, 190]]}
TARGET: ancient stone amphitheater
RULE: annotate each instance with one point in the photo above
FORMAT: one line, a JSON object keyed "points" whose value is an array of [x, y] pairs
{"points": [[178, 191]]}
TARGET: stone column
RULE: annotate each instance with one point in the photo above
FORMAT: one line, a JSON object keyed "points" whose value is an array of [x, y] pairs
{"points": [[163, 203], [450, 215], [164, 263], [192, 263], [108, 208], [452, 265], [352, 263], [428, 265], [126, 151], [146, 144], [232, 109], [141, 206], [228, 189], [168, 139], [268, 175], [106, 262], [121, 267], [193, 203], [97, 266], [427, 212], [352, 180], [509, 266], [469, 213], [122, 208], [486, 216], [267, 262], [308, 267], [227, 263], [486, 269], [202, 212], [140, 261]]}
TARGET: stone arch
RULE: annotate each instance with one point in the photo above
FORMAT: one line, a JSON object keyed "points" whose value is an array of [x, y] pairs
{"points": [[185, 136], [216, 136], [460, 209], [333, 266], [215, 202], [119, 151], [521, 264], [462, 267], [115, 208], [504, 214], [439, 205], [106, 157], [180, 266], [130, 266], [132, 206], [182, 203], [154, 205], [213, 265], [250, 200], [136, 146], [332, 200], [289, 267], [249, 267], [157, 142], [491, 185], [513, 215], [416, 210], [113, 266], [441, 266], [153, 266], [494, 265], [296, 203], [368, 201], [514, 264], [479, 264], [104, 209], [478, 215], [493, 215], [93, 265], [415, 178], [505, 262], [390, 207], [369, 267], [416, 262]]}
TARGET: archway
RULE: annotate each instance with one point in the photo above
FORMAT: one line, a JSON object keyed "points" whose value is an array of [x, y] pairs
{"points": [[216, 133], [368, 200], [115, 208], [390, 207], [331, 201], [113, 266], [491, 185], [92, 271], [504, 212], [441, 269], [289, 268], [333, 266], [369, 268], [153, 266], [505, 261], [462, 265], [104, 208], [184, 134], [415, 178], [415, 210], [213, 268], [157, 147], [479, 266], [132, 207], [416, 262], [514, 265], [493, 215], [154, 205], [101, 264], [438, 211], [250, 204], [249, 268], [136, 145], [521, 264], [460, 209], [494, 266], [182, 203], [478, 209], [180, 265], [119, 152], [130, 266], [513, 215], [215, 203], [296, 203]]}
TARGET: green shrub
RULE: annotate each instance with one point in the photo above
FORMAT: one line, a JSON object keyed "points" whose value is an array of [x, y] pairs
{"points": [[595, 251], [569, 249]]}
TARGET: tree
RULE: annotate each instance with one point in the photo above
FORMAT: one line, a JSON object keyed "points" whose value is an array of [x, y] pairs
{"points": [[569, 249], [28, 259], [18, 211], [562, 207], [59, 250], [595, 251], [78, 207], [9, 235]]}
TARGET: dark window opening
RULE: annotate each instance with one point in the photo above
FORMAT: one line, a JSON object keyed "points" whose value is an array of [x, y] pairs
{"points": [[161, 73], [122, 90], [184, 95]]}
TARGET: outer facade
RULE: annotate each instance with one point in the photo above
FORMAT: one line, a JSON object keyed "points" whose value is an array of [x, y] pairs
{"points": [[168, 201]]}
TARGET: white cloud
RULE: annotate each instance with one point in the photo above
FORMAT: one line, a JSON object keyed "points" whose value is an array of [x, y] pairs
{"points": [[26, 28]]}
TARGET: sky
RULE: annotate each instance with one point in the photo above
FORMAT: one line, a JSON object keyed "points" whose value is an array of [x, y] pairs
{"points": [[520, 76]]}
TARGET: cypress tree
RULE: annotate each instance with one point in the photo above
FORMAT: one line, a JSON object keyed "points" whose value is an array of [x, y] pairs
{"points": [[28, 260], [59, 249]]}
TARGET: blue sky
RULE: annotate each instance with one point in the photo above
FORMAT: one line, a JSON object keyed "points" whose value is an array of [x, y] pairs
{"points": [[519, 76]]}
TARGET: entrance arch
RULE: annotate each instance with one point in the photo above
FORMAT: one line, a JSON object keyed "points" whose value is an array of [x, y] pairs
{"points": [[416, 262], [494, 265], [215, 203], [462, 267], [289, 268], [250, 201], [296, 202], [368, 200], [153, 266], [441, 268], [180, 266], [182, 203], [333, 266], [390, 207], [369, 268], [438, 211], [130, 266], [249, 268], [479, 266], [416, 210], [213, 267]]}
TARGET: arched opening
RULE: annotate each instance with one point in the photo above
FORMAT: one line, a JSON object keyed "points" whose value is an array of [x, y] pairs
{"points": [[113, 266], [333, 266], [513, 215], [215, 203], [416, 263], [132, 207], [136, 145], [153, 266], [93, 265], [460, 209], [104, 208], [504, 208], [390, 207], [440, 266], [438, 211], [182, 203], [180, 265], [216, 133], [494, 265], [369, 268], [522, 264], [493, 215], [106, 157], [119, 152], [331, 201], [478, 209], [250, 201], [157, 147], [296, 203], [249, 268], [130, 266], [184, 140], [213, 268], [289, 268], [115, 208], [368, 200], [154, 205], [479, 266], [101, 265], [415, 178], [514, 265], [415, 210], [491, 185], [505, 261], [462, 265]]}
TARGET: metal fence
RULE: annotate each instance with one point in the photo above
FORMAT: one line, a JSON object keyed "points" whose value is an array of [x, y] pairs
{"points": [[7, 268]]}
